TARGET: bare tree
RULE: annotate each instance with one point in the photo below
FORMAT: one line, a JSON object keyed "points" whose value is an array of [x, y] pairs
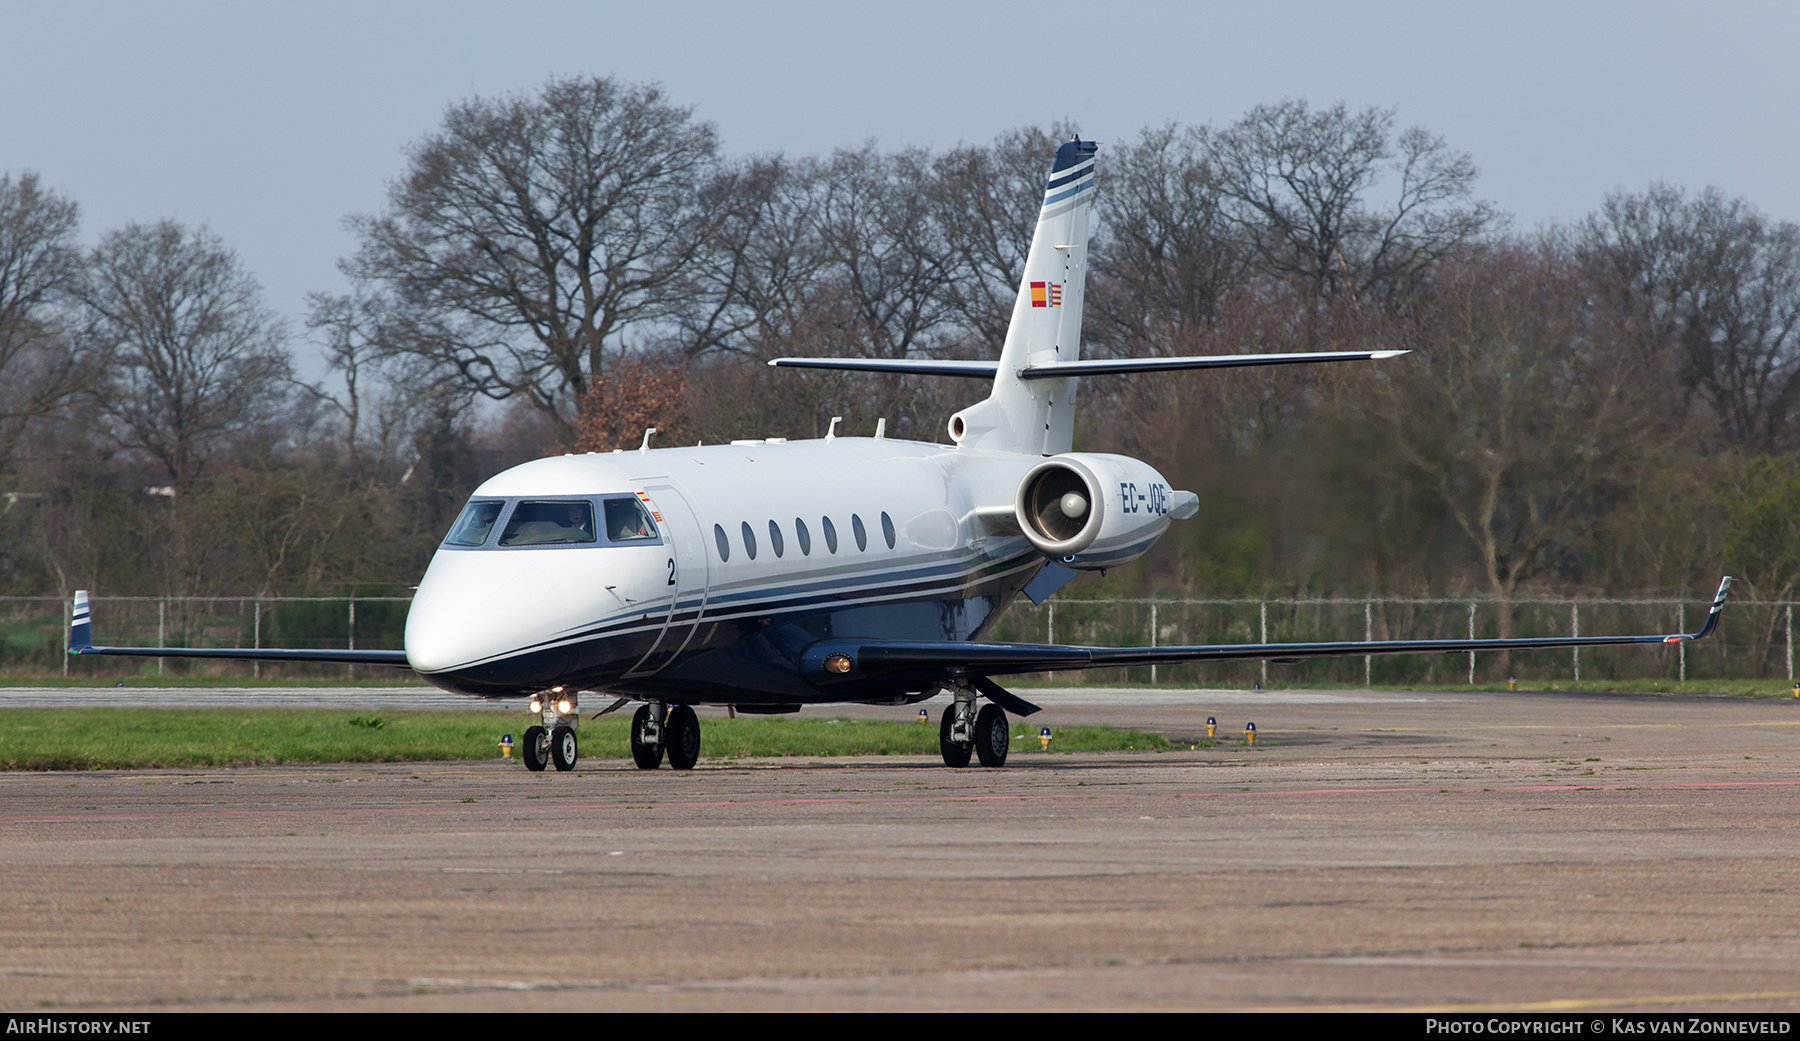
{"points": [[1518, 409], [1168, 254], [531, 234], [196, 360], [987, 201], [1716, 282], [1299, 183], [40, 365]]}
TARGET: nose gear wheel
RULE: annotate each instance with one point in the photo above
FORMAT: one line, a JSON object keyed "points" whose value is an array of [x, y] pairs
{"points": [[563, 748], [536, 748]]}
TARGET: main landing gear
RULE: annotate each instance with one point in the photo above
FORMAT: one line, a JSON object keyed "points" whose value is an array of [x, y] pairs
{"points": [[963, 731], [554, 741], [657, 729]]}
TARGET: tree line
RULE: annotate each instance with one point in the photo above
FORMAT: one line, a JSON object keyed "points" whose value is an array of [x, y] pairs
{"points": [[1604, 405]]}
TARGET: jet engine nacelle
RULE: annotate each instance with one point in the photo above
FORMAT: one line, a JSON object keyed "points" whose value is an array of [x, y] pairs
{"points": [[1093, 511]]}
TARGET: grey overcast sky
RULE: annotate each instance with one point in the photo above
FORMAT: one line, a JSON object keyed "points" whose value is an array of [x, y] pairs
{"points": [[270, 123]]}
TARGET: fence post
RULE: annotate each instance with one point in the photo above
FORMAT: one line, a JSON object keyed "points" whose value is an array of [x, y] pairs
{"points": [[69, 622], [350, 670], [1790, 629], [1681, 627], [1575, 631], [1265, 639], [161, 641], [1153, 638], [1368, 634], [1471, 636], [256, 637]]}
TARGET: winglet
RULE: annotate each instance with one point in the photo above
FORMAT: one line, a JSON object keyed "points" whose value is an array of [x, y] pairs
{"points": [[81, 633], [1712, 616]]}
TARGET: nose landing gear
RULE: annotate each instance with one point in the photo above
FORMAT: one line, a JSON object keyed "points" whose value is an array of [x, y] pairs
{"points": [[554, 741]]}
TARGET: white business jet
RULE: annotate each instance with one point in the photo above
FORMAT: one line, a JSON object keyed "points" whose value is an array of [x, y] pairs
{"points": [[768, 575]]}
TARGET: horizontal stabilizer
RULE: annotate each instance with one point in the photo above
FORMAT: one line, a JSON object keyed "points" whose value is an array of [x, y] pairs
{"points": [[81, 641], [1065, 369], [984, 370], [1127, 366]]}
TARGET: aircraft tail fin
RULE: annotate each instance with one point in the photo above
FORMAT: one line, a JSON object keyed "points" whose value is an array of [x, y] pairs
{"points": [[1038, 416]]}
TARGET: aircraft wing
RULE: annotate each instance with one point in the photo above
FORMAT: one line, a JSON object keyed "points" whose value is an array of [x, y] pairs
{"points": [[81, 641], [922, 663]]}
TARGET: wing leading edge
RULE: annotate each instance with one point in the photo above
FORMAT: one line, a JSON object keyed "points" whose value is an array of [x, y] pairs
{"points": [[81, 641], [849, 662]]}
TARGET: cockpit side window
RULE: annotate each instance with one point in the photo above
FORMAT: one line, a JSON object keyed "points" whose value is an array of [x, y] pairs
{"points": [[475, 523], [626, 521], [549, 524]]}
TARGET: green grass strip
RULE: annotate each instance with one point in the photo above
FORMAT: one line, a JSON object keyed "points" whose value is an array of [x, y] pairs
{"points": [[147, 738]]}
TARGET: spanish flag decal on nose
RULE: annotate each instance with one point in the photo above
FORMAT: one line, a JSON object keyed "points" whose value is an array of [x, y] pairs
{"points": [[1046, 294]]}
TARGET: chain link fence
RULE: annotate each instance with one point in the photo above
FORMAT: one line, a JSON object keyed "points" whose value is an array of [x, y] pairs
{"points": [[1754, 640]]}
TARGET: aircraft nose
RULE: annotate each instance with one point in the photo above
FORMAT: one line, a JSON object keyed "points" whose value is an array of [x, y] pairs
{"points": [[471, 606]]}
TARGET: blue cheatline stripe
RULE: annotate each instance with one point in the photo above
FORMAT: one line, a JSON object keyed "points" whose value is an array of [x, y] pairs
{"points": [[1066, 193]]}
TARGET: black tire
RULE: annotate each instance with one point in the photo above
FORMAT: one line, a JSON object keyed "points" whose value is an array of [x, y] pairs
{"points": [[992, 736], [535, 749], [646, 756], [954, 754], [682, 736], [563, 748]]}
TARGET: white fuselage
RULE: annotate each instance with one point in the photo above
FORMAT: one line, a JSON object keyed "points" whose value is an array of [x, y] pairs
{"points": [[760, 548]]}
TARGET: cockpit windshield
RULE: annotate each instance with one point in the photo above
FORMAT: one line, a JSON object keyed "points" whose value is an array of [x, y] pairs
{"points": [[477, 520], [549, 524]]}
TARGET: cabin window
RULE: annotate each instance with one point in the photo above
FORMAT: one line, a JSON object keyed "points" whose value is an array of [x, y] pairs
{"points": [[887, 528], [804, 536], [627, 521], [749, 541], [775, 542], [724, 543], [475, 523], [549, 524], [862, 534], [830, 533]]}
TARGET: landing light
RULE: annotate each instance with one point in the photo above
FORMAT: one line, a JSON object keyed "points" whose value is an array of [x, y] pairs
{"points": [[839, 663], [563, 706], [537, 705]]}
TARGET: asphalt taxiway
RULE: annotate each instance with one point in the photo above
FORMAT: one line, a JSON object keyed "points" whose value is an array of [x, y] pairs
{"points": [[1373, 850]]}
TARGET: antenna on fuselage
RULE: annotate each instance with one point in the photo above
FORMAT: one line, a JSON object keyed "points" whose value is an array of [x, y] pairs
{"points": [[831, 432], [880, 428], [645, 447]]}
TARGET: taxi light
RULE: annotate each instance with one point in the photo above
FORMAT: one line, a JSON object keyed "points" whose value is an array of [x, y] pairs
{"points": [[564, 706], [839, 663], [536, 705]]}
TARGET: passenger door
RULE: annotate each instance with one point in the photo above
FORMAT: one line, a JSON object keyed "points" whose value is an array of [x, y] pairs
{"points": [[687, 575]]}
